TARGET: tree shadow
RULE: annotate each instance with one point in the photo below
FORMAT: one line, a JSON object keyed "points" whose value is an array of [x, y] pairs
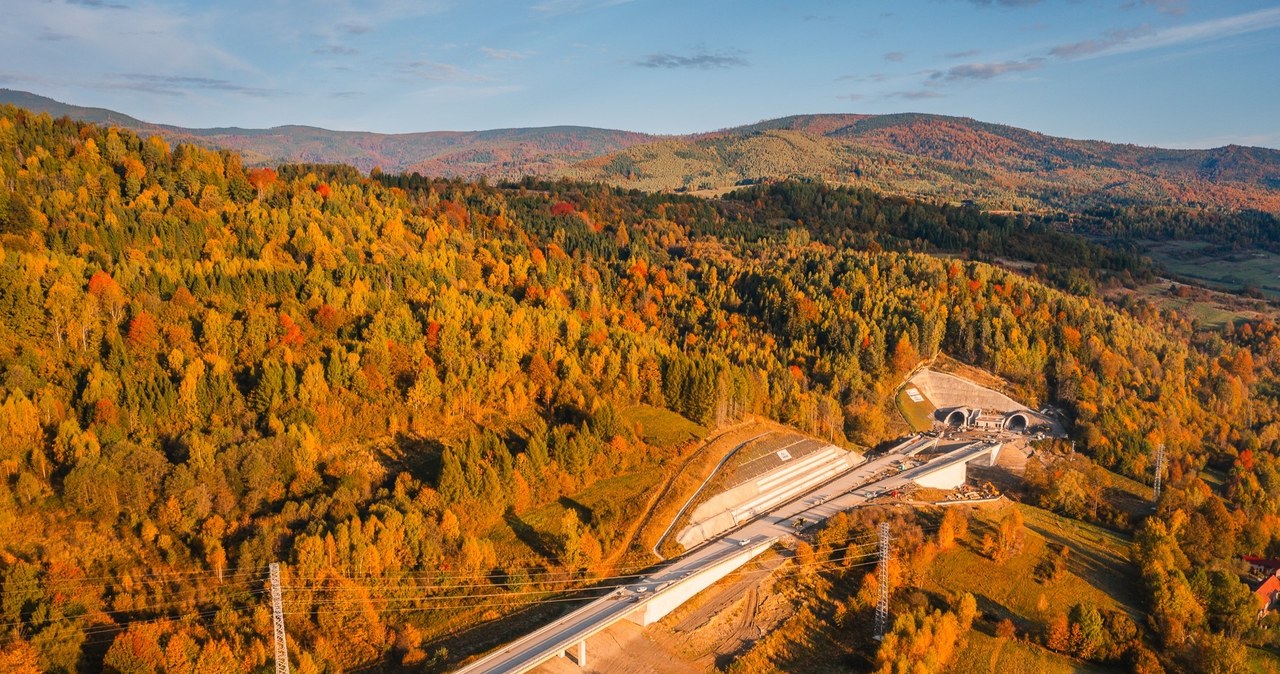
{"points": [[585, 515], [420, 457], [542, 544]]}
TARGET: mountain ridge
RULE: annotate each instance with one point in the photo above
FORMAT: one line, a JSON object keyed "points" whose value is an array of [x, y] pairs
{"points": [[941, 157], [512, 152]]}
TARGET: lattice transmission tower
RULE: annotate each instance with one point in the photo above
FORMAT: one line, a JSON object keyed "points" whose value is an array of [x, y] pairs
{"points": [[1159, 472], [277, 621], [882, 606]]}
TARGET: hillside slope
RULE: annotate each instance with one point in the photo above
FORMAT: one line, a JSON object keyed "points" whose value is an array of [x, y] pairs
{"points": [[496, 153], [393, 386], [931, 156], [950, 158]]}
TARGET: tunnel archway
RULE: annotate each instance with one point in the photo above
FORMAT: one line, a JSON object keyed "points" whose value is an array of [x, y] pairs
{"points": [[1017, 423], [957, 417]]}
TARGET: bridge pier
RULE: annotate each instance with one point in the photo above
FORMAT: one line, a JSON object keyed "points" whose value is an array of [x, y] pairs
{"points": [[582, 654]]}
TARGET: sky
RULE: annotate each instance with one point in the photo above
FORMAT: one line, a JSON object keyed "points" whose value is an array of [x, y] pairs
{"points": [[1174, 73]]}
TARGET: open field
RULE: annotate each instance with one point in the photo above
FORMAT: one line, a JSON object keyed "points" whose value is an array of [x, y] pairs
{"points": [[1098, 573], [919, 414], [987, 654], [1210, 264], [1210, 308], [660, 427]]}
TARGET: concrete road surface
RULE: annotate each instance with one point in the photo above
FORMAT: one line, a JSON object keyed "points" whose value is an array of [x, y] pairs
{"points": [[845, 491]]}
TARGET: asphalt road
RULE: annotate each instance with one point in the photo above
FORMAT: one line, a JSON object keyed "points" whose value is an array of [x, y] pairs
{"points": [[845, 491]]}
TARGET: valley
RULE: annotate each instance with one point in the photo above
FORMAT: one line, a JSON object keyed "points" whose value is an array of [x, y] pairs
{"points": [[567, 398]]}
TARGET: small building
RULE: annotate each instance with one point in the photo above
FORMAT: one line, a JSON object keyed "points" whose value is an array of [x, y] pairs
{"points": [[1268, 594], [1261, 567]]}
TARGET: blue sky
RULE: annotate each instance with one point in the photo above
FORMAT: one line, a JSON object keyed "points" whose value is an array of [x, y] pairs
{"points": [[1180, 73]]}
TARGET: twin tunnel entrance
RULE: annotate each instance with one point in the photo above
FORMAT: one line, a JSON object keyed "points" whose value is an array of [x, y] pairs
{"points": [[1017, 422]]}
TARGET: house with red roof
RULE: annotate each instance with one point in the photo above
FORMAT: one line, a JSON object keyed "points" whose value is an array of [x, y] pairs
{"points": [[1261, 566], [1268, 594]]}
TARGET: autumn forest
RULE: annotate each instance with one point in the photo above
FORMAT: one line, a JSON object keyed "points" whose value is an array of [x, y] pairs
{"points": [[378, 380]]}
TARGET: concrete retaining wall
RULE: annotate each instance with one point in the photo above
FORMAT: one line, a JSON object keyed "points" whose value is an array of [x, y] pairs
{"points": [[726, 510], [946, 391]]}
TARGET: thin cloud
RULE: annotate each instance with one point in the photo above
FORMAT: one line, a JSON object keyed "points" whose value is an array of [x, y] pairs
{"points": [[986, 71], [1108, 40], [335, 50], [556, 7], [1119, 41], [1170, 7], [505, 54], [968, 53], [1006, 3], [873, 77], [171, 85], [1204, 31], [916, 95], [354, 27], [895, 56], [697, 61], [50, 36], [433, 71], [97, 4]]}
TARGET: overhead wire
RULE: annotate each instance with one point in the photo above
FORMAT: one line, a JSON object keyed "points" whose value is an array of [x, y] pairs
{"points": [[605, 583], [554, 600], [513, 593], [170, 577], [856, 542]]}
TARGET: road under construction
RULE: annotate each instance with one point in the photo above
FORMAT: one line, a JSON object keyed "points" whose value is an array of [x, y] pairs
{"points": [[652, 596]]}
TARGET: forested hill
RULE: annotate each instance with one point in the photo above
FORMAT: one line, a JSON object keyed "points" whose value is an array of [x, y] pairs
{"points": [[495, 153], [950, 158], [931, 156], [393, 385]]}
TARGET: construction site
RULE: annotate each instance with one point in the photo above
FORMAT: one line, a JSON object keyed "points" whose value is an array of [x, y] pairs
{"points": [[975, 439]]}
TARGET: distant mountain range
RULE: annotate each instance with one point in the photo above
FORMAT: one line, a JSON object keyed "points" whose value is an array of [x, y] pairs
{"points": [[934, 156], [949, 158], [498, 153]]}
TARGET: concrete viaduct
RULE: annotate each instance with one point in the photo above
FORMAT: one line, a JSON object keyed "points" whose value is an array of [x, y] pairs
{"points": [[649, 599]]}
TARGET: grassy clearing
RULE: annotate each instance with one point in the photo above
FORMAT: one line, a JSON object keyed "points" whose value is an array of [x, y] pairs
{"points": [[813, 641], [1263, 661], [986, 654], [1205, 313], [628, 491], [1210, 308], [1233, 270], [528, 537], [662, 428], [919, 415], [1097, 572]]}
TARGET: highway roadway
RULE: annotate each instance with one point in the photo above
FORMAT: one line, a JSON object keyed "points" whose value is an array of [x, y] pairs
{"points": [[841, 493]]}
